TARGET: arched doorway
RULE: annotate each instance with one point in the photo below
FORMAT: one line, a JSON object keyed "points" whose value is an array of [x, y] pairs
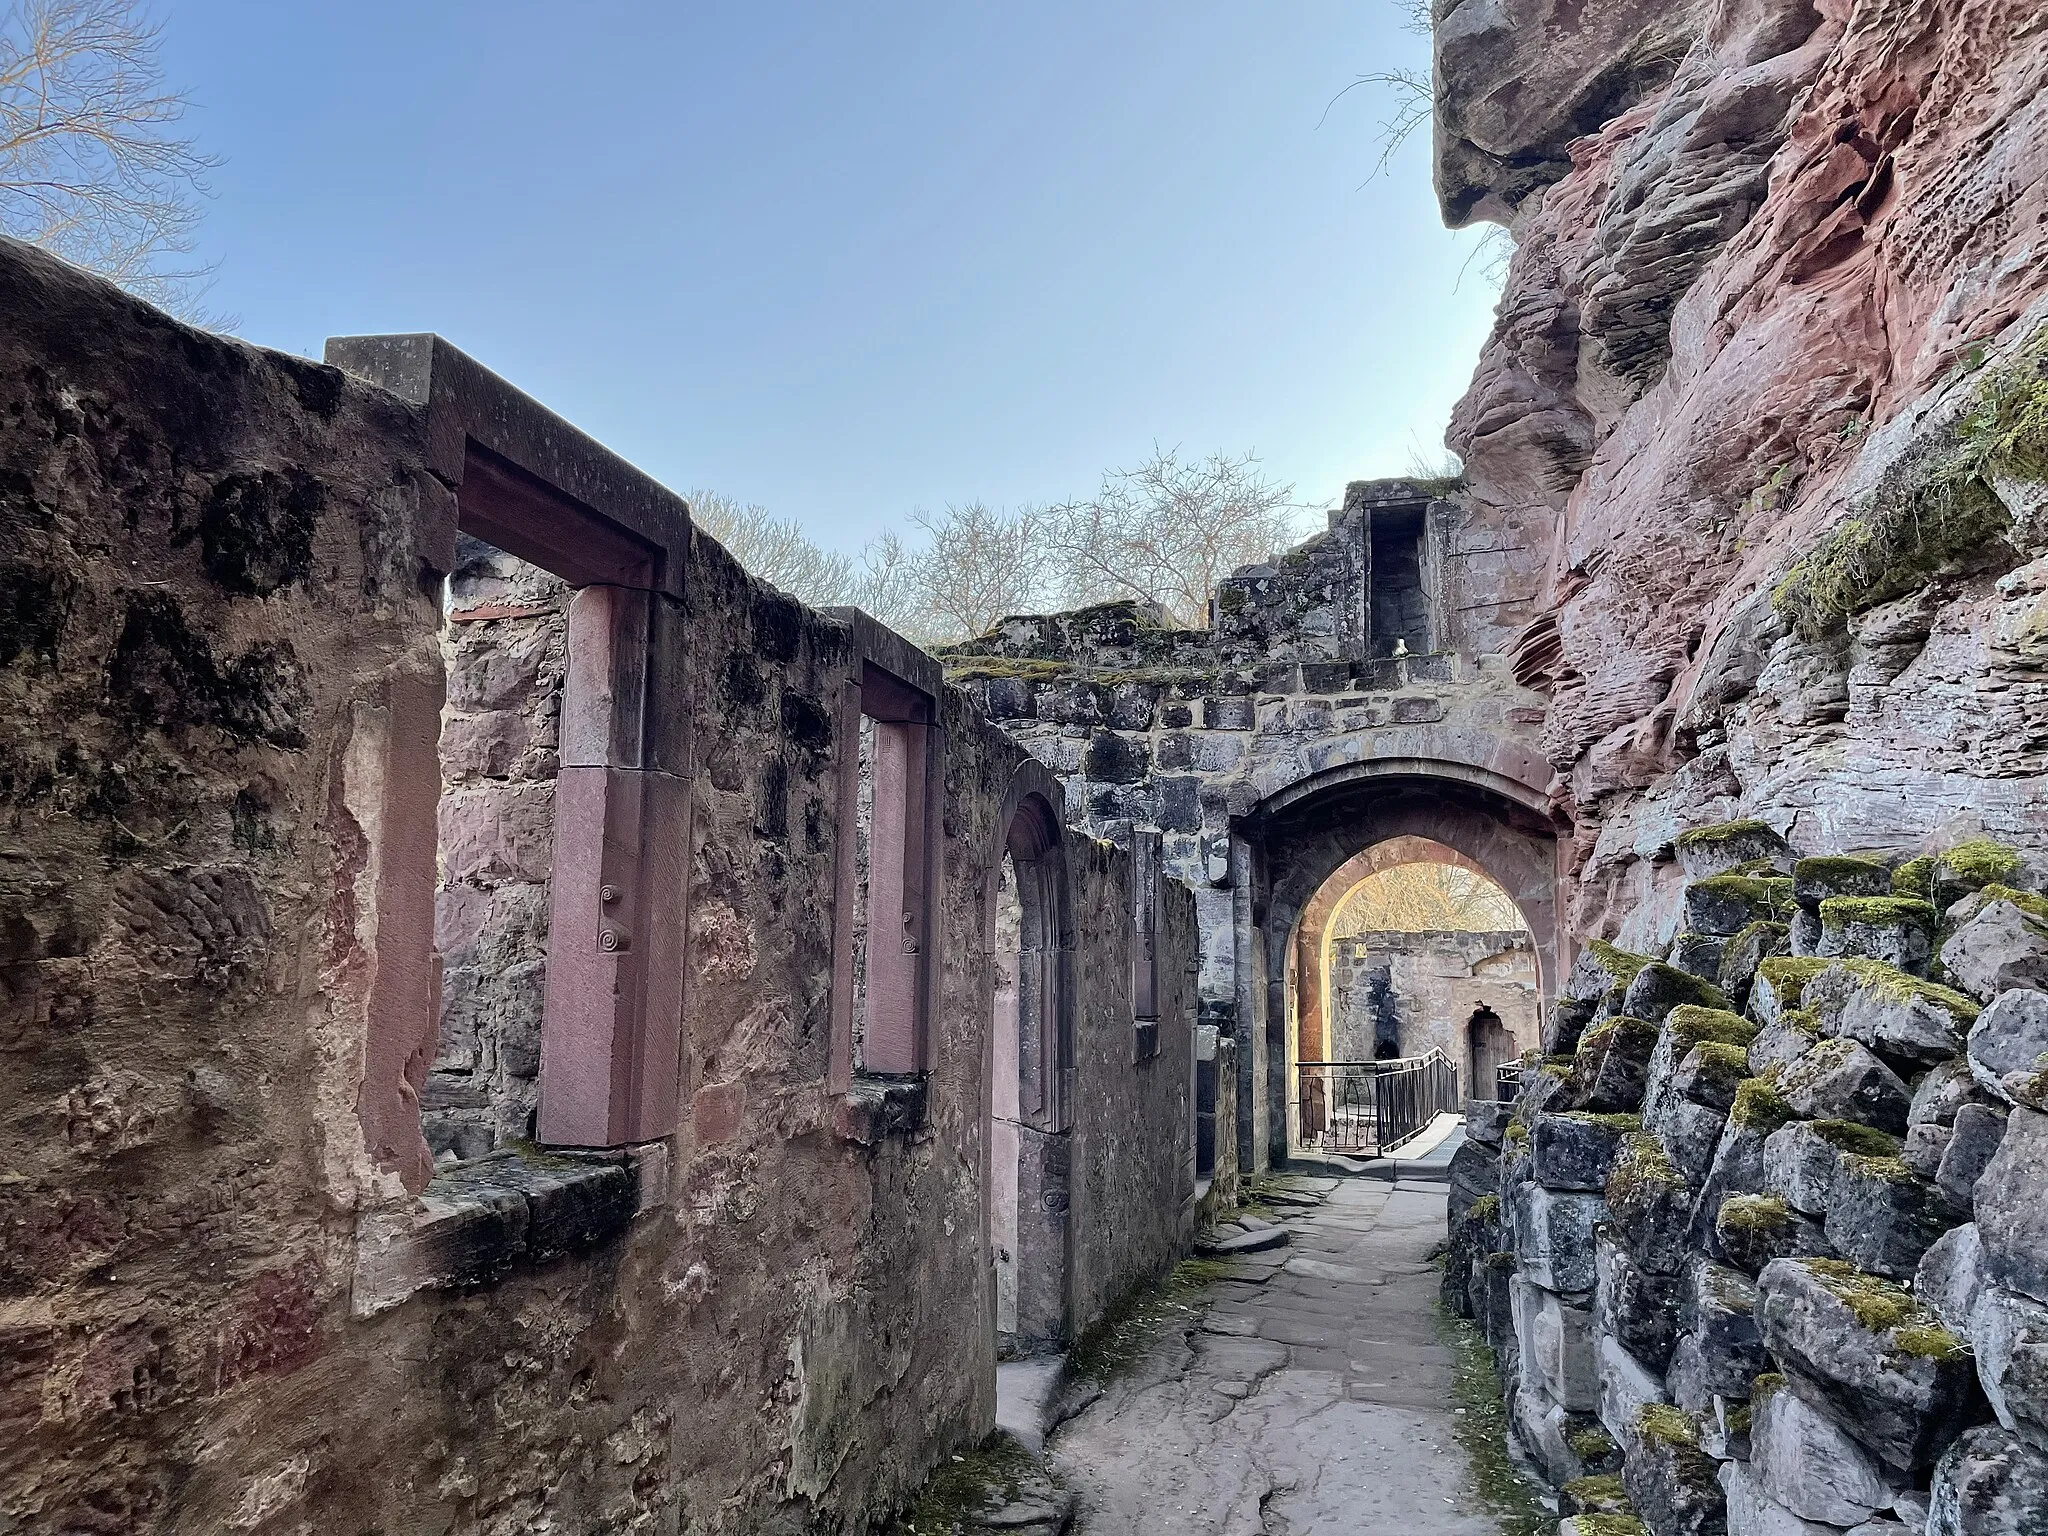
{"points": [[1032, 1070], [1292, 845], [1489, 1046]]}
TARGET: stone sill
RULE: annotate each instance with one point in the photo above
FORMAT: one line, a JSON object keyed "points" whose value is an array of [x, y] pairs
{"points": [[479, 1221], [877, 1107]]}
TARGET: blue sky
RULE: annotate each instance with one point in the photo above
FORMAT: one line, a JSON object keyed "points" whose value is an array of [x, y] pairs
{"points": [[854, 260]]}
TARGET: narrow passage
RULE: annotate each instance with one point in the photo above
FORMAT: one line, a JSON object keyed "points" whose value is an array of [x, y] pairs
{"points": [[1314, 1396]]}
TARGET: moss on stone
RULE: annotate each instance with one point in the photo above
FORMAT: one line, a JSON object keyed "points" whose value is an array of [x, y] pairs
{"points": [[1763, 1389], [1596, 1038], [1753, 1213], [1856, 1140], [1763, 932], [1641, 1170], [1758, 1106], [1738, 1420], [1980, 861], [1517, 1131], [1876, 1302], [1891, 982], [1691, 1024], [1610, 1525], [1915, 877], [2029, 902], [1891, 1170], [1722, 832], [1667, 1425], [1614, 1125], [1592, 1445], [1935, 505], [1804, 1020], [1770, 894], [1723, 1063], [1482, 1430], [1789, 974], [1485, 1208], [1617, 962], [1023, 668], [1501, 1263], [1598, 1495], [1876, 912], [1825, 869], [1928, 1341]]}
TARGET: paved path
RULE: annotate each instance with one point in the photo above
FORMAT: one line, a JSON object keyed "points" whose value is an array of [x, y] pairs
{"points": [[1314, 1397]]}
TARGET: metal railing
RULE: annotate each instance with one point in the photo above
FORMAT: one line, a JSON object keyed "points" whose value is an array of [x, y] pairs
{"points": [[1368, 1108], [1507, 1081]]}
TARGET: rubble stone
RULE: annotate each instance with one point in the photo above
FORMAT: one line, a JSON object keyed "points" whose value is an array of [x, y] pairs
{"points": [[1883, 1218], [1743, 953], [1862, 1349], [1791, 1033], [1612, 1066], [1638, 1310], [1752, 1511], [1674, 1486], [1894, 930], [1841, 1080], [1575, 1151], [1658, 988], [1943, 1091], [1627, 1386], [2009, 1334], [1901, 1017], [1990, 1483], [2008, 1046], [1705, 852], [2000, 947], [1557, 1346], [2012, 1207], [1802, 1159], [1951, 1278], [1726, 904], [1809, 1463], [1752, 1230], [1815, 880], [1651, 1206], [1553, 1236], [1974, 1141]]}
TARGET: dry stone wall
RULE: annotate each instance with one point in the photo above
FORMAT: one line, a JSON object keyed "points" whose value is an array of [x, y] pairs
{"points": [[1758, 1243]]}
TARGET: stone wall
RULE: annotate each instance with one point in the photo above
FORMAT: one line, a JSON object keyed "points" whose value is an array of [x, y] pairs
{"points": [[222, 654], [1781, 1268], [1433, 984]]}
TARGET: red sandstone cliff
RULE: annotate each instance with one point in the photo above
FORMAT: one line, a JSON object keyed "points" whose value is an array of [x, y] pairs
{"points": [[1777, 267]]}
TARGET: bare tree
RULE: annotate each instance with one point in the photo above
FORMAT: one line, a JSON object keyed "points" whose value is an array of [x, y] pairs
{"points": [[1424, 898], [982, 565], [91, 166], [1169, 530], [774, 548]]}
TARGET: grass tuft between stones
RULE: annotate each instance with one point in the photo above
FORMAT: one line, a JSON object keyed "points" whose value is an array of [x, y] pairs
{"points": [[1482, 1430], [965, 1486], [1118, 1338]]}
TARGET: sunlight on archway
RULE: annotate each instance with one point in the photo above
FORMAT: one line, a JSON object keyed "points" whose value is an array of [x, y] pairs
{"points": [[1425, 898]]}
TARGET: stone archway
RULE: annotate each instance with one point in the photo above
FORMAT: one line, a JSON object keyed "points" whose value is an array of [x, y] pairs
{"points": [[1302, 834], [1030, 1117]]}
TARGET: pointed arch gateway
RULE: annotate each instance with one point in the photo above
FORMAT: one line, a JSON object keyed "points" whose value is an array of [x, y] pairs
{"points": [[1031, 1108]]}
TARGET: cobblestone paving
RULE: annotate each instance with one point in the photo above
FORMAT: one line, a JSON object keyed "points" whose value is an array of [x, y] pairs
{"points": [[1313, 1397]]}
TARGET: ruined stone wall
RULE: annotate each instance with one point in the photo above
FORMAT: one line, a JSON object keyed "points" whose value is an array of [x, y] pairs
{"points": [[221, 648], [1434, 983]]}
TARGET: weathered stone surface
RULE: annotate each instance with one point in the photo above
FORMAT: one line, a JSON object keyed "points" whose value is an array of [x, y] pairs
{"points": [[2012, 1207], [1883, 1218], [1924, 1148], [1705, 852], [1780, 979], [1815, 880], [2009, 1047], [1841, 1080], [1752, 1230], [1742, 954], [1978, 1132], [1990, 1483], [1475, 1173], [1576, 1151], [1943, 1092], [1627, 1386], [1651, 1206], [1753, 1512], [1698, 954], [1557, 1346], [1892, 930], [1674, 1486], [1612, 1067], [1803, 1159], [1900, 1017], [1810, 1464], [1222, 1245], [1658, 988], [1863, 1350], [1553, 1236], [1565, 1023], [1998, 949], [2010, 1336], [1638, 1310], [1791, 1033], [1486, 1120], [1720, 1350], [1951, 1278], [1724, 905]]}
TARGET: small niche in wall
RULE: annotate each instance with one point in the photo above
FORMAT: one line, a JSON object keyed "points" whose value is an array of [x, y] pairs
{"points": [[1399, 598]]}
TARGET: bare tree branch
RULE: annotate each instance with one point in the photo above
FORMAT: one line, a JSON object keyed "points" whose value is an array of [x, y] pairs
{"points": [[1426, 898], [90, 165], [1168, 531]]}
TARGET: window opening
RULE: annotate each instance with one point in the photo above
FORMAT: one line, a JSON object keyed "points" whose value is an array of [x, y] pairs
{"points": [[893, 850], [1399, 592]]}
